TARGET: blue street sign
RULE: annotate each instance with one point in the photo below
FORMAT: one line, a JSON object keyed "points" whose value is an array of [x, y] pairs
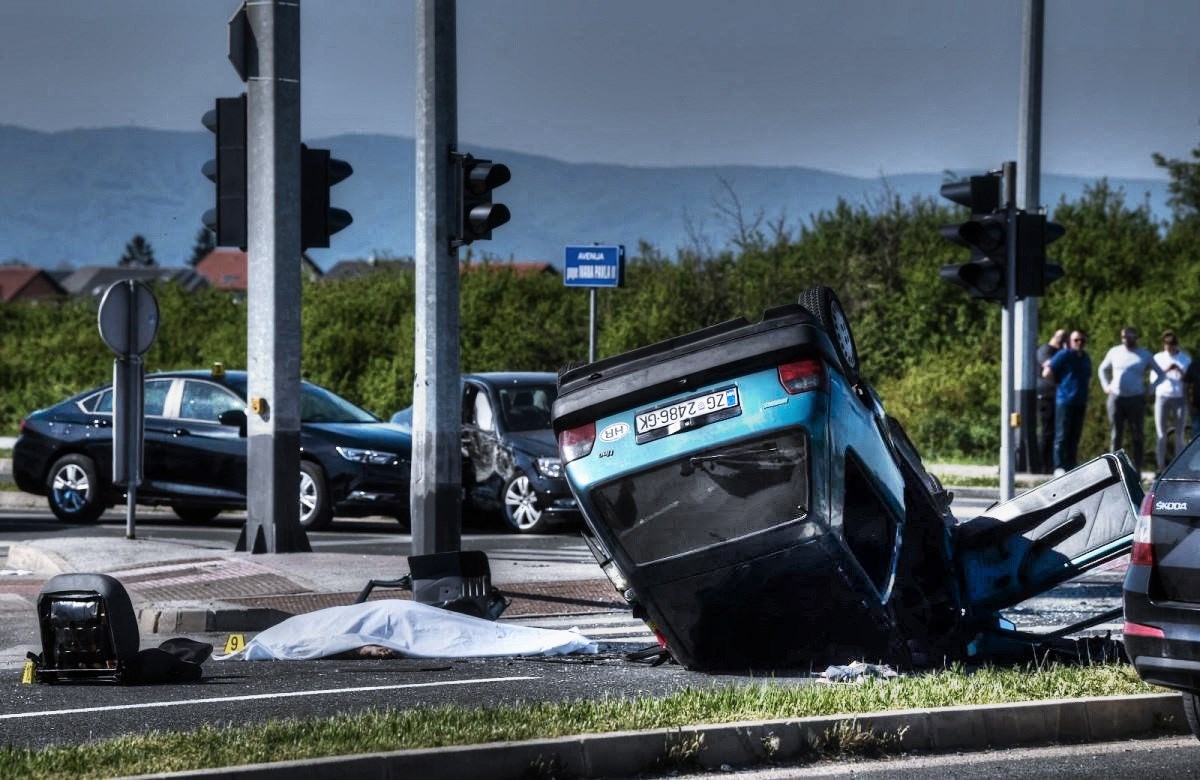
{"points": [[594, 266]]}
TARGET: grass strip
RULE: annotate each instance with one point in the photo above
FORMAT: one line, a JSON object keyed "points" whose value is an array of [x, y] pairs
{"points": [[425, 727]]}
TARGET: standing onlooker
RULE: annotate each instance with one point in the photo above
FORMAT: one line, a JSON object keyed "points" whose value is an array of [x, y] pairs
{"points": [[1071, 370], [1046, 392], [1170, 406], [1123, 379]]}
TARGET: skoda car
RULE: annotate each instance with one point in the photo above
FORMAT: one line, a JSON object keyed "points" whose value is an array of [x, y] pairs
{"points": [[510, 460], [194, 456], [1162, 584], [746, 492]]}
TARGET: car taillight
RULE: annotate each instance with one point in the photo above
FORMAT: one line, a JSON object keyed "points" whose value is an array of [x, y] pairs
{"points": [[1137, 629], [800, 376], [576, 442], [1142, 553]]}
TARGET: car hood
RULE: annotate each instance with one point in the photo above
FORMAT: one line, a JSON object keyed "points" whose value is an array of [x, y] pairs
{"points": [[373, 436], [536, 443]]}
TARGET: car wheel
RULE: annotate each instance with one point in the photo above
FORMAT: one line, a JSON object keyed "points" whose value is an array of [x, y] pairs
{"points": [[195, 513], [75, 490], [823, 304], [1191, 710], [520, 506], [315, 511]]}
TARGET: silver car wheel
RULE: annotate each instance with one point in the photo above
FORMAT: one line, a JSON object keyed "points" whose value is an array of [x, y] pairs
{"points": [[520, 504], [308, 498], [71, 487]]}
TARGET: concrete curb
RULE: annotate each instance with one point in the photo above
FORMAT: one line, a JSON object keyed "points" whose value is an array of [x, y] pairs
{"points": [[750, 743]]}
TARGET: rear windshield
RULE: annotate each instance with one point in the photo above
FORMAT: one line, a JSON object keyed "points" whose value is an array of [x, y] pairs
{"points": [[1187, 465], [704, 500]]}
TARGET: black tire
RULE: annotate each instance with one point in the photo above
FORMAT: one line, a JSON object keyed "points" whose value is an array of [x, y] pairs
{"points": [[195, 513], [315, 511], [74, 490], [519, 505], [823, 304], [1191, 710]]}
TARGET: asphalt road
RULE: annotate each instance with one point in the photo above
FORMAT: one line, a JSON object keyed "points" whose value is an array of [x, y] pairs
{"points": [[239, 692]]}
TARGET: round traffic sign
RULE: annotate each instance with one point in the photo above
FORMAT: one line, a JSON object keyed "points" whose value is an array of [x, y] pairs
{"points": [[128, 317]]}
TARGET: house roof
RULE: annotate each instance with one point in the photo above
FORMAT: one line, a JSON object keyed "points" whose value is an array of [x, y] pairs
{"points": [[95, 279], [349, 269], [226, 269], [521, 268], [18, 279]]}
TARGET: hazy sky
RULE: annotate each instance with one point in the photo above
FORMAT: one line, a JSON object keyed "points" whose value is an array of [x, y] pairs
{"points": [[855, 86]]}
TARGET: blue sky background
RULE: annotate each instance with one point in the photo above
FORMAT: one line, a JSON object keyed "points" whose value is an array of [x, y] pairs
{"points": [[864, 87]]}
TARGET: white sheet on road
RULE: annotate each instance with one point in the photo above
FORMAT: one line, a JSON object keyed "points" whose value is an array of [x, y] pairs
{"points": [[413, 629]]}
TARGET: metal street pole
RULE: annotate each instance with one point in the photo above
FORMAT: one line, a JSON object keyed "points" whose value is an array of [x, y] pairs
{"points": [[273, 279], [1029, 153], [436, 497], [592, 326], [1007, 418]]}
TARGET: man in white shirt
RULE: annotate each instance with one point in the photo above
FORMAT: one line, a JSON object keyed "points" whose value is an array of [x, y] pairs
{"points": [[1170, 405], [1123, 379]]}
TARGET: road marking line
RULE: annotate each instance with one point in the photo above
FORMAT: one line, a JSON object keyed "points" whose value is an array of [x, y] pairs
{"points": [[257, 696]]}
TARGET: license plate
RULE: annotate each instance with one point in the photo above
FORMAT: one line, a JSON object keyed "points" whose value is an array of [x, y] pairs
{"points": [[687, 415]]}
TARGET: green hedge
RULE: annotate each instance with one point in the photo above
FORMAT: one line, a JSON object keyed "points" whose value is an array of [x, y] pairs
{"points": [[933, 353]]}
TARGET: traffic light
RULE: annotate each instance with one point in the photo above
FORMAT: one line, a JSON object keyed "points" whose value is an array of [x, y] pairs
{"points": [[477, 215], [1034, 274], [318, 221], [986, 234], [228, 171]]}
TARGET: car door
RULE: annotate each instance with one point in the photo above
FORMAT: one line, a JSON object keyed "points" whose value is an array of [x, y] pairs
{"points": [[156, 435], [200, 457], [481, 443], [1049, 534]]}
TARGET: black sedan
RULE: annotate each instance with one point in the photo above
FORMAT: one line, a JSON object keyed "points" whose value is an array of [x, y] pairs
{"points": [[1162, 584], [351, 463], [510, 458]]}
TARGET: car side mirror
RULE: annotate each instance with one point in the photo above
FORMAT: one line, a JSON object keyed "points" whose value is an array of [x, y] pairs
{"points": [[234, 418]]}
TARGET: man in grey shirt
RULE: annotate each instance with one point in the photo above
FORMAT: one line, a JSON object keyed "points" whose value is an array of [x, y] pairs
{"points": [[1123, 379]]}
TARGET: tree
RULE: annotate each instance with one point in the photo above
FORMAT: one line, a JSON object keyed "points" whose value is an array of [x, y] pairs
{"points": [[206, 241], [138, 253], [1184, 186]]}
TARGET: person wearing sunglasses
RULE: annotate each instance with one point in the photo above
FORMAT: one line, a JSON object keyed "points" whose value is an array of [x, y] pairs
{"points": [[1071, 370]]}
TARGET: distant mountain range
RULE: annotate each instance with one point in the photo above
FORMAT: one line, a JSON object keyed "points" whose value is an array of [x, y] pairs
{"points": [[75, 197]]}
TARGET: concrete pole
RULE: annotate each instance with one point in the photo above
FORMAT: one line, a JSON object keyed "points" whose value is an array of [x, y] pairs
{"points": [[1029, 153], [436, 499], [273, 281]]}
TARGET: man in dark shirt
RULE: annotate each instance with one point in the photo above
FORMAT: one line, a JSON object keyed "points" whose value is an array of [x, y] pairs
{"points": [[1046, 392], [1071, 370]]}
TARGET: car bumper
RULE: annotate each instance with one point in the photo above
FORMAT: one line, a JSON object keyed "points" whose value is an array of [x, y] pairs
{"points": [[1171, 660], [359, 490], [30, 462]]}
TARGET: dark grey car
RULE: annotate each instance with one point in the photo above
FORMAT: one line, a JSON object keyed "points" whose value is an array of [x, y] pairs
{"points": [[1162, 585], [511, 463]]}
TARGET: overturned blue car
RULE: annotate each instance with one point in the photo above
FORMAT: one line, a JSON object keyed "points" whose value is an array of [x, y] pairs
{"points": [[746, 492]]}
